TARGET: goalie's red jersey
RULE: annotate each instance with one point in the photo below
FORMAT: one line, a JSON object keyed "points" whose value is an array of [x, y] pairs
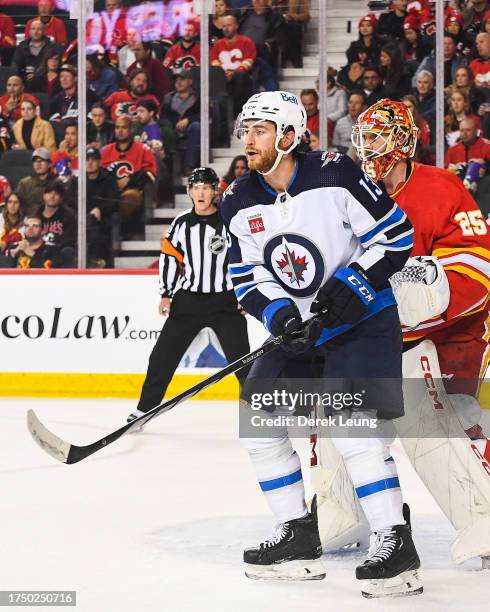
{"points": [[449, 225]]}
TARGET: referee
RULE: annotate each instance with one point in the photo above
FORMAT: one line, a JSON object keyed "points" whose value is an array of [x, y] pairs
{"points": [[195, 289]]}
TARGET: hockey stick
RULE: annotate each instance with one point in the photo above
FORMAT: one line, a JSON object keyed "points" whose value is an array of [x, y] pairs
{"points": [[70, 453]]}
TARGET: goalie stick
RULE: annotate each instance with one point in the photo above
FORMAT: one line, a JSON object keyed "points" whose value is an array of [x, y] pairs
{"points": [[70, 453]]}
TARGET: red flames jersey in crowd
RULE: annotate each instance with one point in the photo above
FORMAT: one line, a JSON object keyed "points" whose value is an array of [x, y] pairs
{"points": [[237, 54], [185, 58], [125, 163], [55, 29], [122, 104], [7, 31], [450, 226]]}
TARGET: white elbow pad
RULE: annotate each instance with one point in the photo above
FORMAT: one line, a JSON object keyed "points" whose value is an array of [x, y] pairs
{"points": [[421, 290]]}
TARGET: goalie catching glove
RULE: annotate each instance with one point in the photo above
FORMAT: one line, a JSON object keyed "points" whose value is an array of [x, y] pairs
{"points": [[421, 290], [345, 297]]}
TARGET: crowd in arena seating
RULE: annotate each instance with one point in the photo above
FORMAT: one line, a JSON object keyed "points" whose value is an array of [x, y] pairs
{"points": [[143, 101]]}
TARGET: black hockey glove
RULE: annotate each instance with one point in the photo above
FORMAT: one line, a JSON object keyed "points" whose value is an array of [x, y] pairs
{"points": [[345, 297], [298, 337]]}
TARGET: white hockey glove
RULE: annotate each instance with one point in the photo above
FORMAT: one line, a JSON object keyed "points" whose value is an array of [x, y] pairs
{"points": [[421, 289]]}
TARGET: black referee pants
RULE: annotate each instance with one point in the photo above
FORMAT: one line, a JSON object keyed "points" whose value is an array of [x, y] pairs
{"points": [[189, 313]]}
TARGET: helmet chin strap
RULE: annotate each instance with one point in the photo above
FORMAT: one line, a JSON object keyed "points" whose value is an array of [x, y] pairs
{"points": [[280, 155]]}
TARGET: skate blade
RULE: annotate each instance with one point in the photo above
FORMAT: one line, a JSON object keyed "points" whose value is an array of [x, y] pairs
{"points": [[403, 585], [290, 570]]}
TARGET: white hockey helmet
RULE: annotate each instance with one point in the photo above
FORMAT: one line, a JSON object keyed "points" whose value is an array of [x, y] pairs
{"points": [[284, 109]]}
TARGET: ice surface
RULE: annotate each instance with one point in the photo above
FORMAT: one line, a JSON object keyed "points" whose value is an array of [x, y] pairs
{"points": [[157, 521]]}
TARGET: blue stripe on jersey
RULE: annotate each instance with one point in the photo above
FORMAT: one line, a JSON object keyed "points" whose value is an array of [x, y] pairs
{"points": [[375, 487], [406, 241], [383, 299], [282, 481], [393, 219], [237, 270], [239, 291], [271, 310]]}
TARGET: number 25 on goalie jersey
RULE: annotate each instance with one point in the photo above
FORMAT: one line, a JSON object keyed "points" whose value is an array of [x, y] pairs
{"points": [[287, 245]]}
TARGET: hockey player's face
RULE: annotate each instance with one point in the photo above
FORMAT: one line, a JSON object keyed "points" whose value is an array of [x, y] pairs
{"points": [[259, 140], [202, 196]]}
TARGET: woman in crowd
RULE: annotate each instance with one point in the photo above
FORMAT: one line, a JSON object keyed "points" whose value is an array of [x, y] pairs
{"points": [[368, 38], [11, 224], [395, 79], [423, 151], [238, 167], [464, 81], [32, 132], [100, 78], [350, 75], [413, 48], [221, 9], [46, 77], [453, 24], [459, 109]]}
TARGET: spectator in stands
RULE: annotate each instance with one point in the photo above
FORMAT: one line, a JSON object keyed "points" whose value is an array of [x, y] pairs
{"points": [[469, 159], [186, 52], [396, 80], [414, 46], [64, 106], [372, 85], [337, 98], [65, 158], [221, 8], [134, 166], [103, 196], [7, 39], [6, 137], [423, 152], [5, 190], [368, 38], [314, 143], [453, 25], [473, 15], [426, 96], [101, 80], [181, 108], [59, 225], [146, 128], [266, 28], [32, 132], [32, 251], [125, 55], [485, 26], [464, 81], [452, 61], [122, 103], [391, 23], [459, 109], [31, 188], [350, 75], [238, 167], [46, 77], [480, 67], [310, 100], [235, 54], [159, 82], [356, 104], [11, 224], [54, 27], [10, 102], [30, 52], [296, 14], [100, 131]]}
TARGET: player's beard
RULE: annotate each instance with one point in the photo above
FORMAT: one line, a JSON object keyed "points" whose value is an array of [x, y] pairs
{"points": [[264, 162]]}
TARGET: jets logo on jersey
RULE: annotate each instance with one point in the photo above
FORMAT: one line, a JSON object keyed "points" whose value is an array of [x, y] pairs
{"points": [[216, 244], [228, 191], [296, 263]]}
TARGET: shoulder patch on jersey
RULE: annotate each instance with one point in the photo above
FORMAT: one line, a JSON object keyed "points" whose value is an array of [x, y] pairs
{"points": [[256, 223], [228, 191], [330, 157]]}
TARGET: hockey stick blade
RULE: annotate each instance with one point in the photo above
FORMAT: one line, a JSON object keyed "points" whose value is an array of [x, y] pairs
{"points": [[70, 453]]}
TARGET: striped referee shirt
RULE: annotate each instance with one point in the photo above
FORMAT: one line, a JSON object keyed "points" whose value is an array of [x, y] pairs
{"points": [[194, 255]]}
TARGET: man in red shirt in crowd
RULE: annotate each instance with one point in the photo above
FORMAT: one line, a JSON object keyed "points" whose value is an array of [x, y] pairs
{"points": [[471, 146], [133, 165], [123, 103], [310, 99], [10, 102], [159, 80], [480, 67], [7, 38], [53, 26], [236, 54], [187, 52]]}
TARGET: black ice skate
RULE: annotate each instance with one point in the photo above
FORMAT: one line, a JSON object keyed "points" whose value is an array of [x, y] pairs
{"points": [[392, 564], [292, 553]]}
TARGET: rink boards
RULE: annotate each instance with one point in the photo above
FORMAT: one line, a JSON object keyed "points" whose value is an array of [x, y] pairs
{"points": [[88, 334]]}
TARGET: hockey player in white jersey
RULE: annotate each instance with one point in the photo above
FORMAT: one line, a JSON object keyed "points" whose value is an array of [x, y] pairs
{"points": [[310, 233]]}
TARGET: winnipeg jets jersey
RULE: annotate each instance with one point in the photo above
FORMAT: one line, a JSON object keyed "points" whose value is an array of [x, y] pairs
{"points": [[287, 245]]}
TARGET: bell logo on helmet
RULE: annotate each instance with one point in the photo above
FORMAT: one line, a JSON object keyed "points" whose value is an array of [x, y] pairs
{"points": [[286, 98]]}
